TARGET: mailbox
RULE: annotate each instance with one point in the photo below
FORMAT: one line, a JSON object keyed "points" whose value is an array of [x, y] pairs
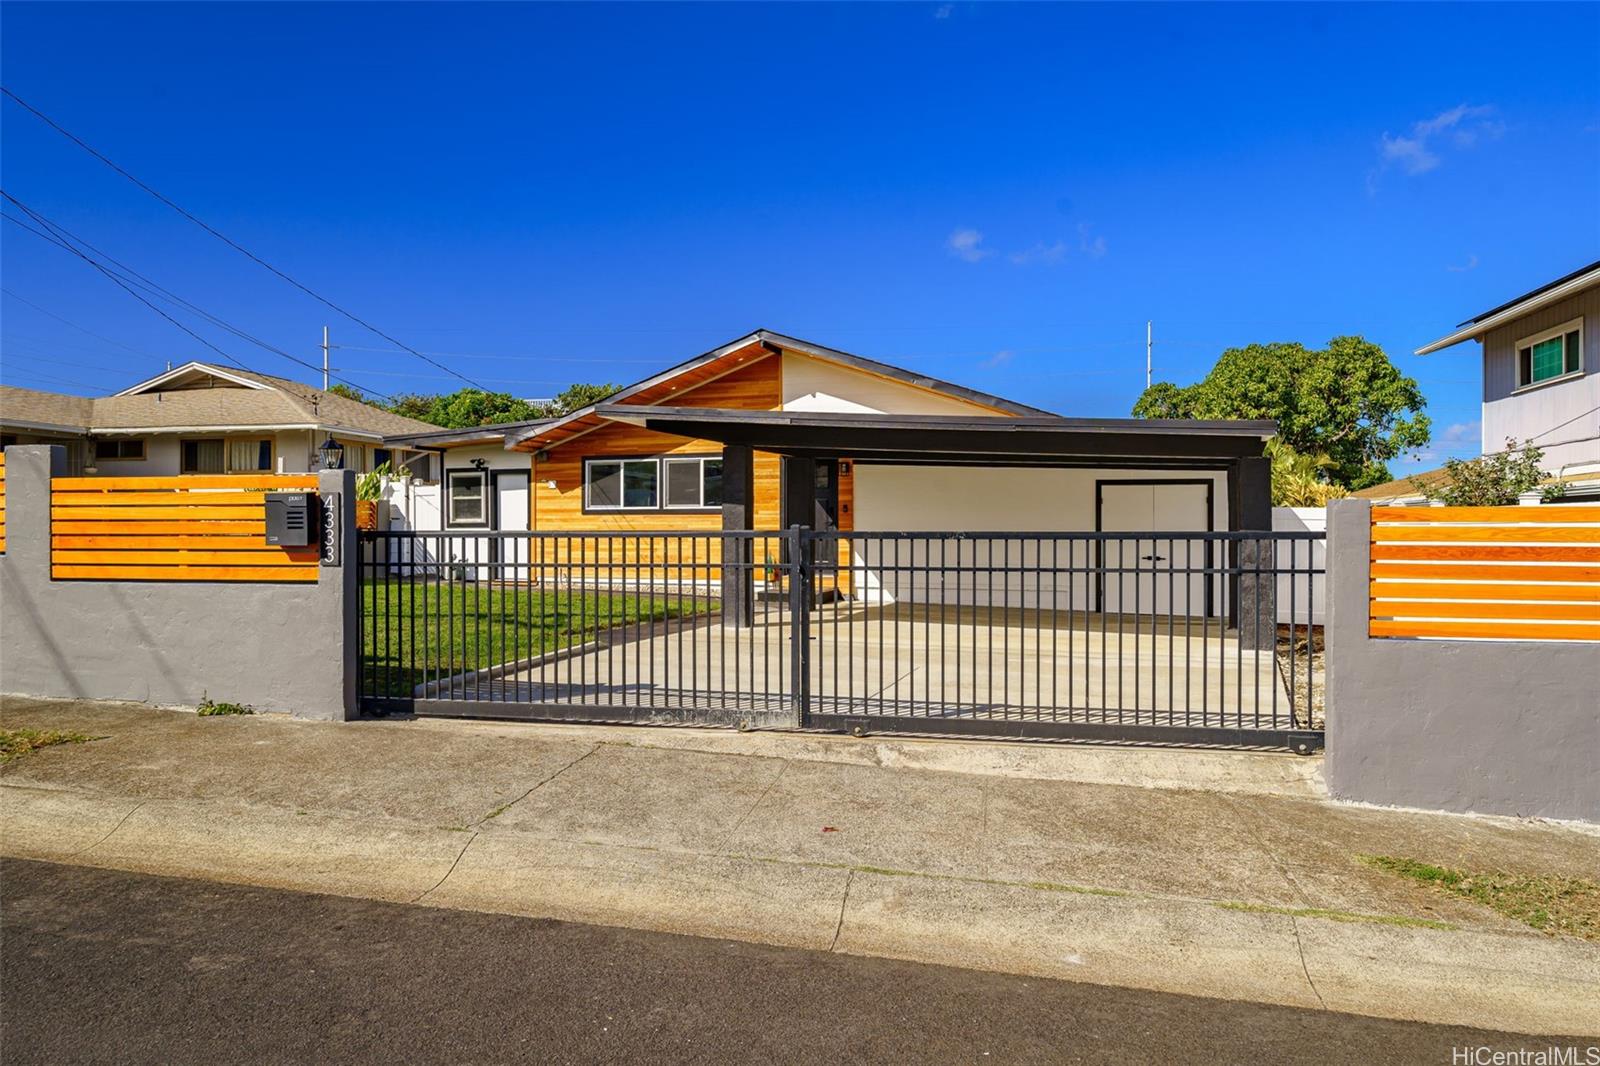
{"points": [[292, 519]]}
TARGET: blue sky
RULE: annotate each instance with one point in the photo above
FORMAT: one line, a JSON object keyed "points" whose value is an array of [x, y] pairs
{"points": [[997, 195]]}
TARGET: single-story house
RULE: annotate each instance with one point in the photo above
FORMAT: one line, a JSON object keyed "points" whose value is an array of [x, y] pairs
{"points": [[203, 419], [769, 431]]}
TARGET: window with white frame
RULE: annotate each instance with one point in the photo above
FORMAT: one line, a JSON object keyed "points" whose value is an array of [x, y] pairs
{"points": [[622, 484], [467, 497], [1554, 353], [671, 483]]}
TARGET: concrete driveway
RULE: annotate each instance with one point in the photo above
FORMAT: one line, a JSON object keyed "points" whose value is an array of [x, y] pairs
{"points": [[917, 661]]}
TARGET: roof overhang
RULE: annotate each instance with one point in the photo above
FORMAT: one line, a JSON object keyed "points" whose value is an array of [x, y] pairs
{"points": [[1534, 301], [476, 435], [735, 355], [234, 430], [44, 427], [958, 439]]}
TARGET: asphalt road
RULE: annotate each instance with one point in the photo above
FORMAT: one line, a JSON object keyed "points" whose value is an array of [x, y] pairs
{"points": [[101, 966]]}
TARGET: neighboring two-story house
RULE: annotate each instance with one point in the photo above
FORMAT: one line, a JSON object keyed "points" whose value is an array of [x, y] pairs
{"points": [[1541, 381]]}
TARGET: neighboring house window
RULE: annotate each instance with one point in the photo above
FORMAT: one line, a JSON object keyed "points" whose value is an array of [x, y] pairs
{"points": [[468, 497], [250, 456], [693, 482], [113, 450], [201, 457], [1555, 353], [621, 484]]}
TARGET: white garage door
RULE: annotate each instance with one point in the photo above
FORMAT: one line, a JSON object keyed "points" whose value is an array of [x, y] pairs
{"points": [[1147, 576]]}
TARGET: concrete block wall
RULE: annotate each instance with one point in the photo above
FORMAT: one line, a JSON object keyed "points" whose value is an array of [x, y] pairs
{"points": [[276, 647], [1496, 727]]}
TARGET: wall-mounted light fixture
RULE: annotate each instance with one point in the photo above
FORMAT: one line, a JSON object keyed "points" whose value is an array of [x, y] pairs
{"points": [[331, 453]]}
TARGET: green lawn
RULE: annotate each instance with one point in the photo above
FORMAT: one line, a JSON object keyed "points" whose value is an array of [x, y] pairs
{"points": [[411, 636]]}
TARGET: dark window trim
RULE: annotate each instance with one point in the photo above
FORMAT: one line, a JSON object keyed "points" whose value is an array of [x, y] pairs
{"points": [[488, 494], [661, 484], [143, 453]]}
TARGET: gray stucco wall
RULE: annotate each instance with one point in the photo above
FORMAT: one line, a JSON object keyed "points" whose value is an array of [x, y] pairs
{"points": [[1485, 726], [277, 647]]}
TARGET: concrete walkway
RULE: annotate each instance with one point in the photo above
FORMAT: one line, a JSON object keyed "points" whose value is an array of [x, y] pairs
{"points": [[1217, 874]]}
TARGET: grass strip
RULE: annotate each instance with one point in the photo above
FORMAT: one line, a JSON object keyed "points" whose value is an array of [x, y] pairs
{"points": [[1556, 905], [15, 743]]}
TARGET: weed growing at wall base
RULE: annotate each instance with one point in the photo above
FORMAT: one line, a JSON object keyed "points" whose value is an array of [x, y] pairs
{"points": [[209, 707]]}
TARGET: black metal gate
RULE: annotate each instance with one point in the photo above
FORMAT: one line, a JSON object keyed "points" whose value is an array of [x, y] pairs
{"points": [[1190, 638]]}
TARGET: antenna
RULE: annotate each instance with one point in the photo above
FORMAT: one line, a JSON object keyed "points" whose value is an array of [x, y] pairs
{"points": [[1149, 345]]}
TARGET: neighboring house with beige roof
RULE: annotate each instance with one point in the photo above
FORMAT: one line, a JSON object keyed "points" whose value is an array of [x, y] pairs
{"points": [[203, 419]]}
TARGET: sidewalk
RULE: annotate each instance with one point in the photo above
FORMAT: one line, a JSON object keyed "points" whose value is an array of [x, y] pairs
{"points": [[1081, 863]]}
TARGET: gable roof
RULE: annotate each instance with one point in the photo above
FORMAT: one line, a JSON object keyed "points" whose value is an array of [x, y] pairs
{"points": [[177, 400], [751, 348], [1474, 328]]}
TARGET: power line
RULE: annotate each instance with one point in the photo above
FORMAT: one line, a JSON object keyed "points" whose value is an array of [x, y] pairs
{"points": [[47, 120], [63, 238], [74, 325]]}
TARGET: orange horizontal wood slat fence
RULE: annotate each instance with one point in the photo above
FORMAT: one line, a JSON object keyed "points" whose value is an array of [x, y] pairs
{"points": [[1496, 573], [191, 528], [2, 501], [1387, 515]]}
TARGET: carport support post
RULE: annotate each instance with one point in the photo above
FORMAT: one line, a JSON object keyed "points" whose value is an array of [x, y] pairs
{"points": [[738, 514], [1254, 608]]}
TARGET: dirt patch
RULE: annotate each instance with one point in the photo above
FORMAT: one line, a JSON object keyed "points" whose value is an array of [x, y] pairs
{"points": [[1555, 905]]}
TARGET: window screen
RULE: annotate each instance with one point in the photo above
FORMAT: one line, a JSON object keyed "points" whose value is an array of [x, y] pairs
{"points": [[683, 482], [622, 484], [468, 498]]}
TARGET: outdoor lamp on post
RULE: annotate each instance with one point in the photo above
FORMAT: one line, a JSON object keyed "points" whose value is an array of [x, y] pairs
{"points": [[331, 453]]}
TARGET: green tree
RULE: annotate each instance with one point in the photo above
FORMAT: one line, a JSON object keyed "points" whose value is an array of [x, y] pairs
{"points": [[1490, 480], [350, 392], [575, 396], [1346, 402]]}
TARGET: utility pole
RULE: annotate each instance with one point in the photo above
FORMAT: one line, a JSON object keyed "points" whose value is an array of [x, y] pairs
{"points": [[1149, 345], [325, 359]]}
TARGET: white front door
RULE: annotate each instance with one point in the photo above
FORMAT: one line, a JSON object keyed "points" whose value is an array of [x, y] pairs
{"points": [[1155, 575], [511, 516]]}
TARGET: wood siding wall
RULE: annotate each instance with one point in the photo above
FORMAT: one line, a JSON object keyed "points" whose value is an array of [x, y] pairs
{"points": [[1496, 573], [756, 387], [1555, 414], [195, 528]]}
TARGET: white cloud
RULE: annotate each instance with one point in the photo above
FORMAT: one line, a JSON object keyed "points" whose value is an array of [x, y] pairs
{"points": [[1091, 244], [1459, 439], [1462, 268], [1040, 253], [998, 359], [967, 244], [944, 11], [1420, 150]]}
